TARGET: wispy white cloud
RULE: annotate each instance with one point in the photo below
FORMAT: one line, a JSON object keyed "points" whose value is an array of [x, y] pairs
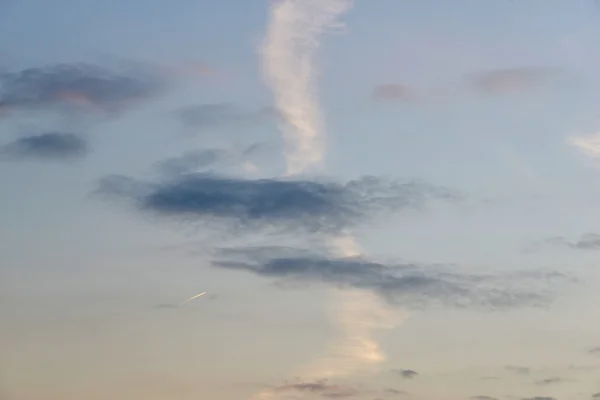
{"points": [[289, 65]]}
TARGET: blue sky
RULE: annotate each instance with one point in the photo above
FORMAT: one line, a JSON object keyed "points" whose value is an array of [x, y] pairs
{"points": [[442, 219]]}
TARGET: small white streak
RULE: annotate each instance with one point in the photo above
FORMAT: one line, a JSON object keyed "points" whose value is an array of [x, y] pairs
{"points": [[194, 297]]}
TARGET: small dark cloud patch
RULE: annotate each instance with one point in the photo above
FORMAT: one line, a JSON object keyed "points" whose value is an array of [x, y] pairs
{"points": [[322, 388], [165, 306], [46, 146], [273, 204], [77, 87], [550, 381], [596, 396], [483, 398], [411, 285], [513, 80], [518, 370], [394, 92], [406, 373]]}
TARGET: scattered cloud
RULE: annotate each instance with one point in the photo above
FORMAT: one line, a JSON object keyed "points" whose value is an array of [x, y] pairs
{"points": [[410, 285], [76, 87], [394, 92], [322, 388], [512, 80], [275, 204], [406, 373], [587, 241], [518, 370], [483, 398], [46, 146]]}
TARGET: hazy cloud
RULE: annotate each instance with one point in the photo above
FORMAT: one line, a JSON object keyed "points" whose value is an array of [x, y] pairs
{"points": [[512, 79], [406, 373], [483, 398], [411, 285], [518, 370], [279, 204], [46, 146], [596, 396], [207, 116], [394, 92], [77, 86]]}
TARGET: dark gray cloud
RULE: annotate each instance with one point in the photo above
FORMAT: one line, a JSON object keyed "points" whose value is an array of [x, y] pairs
{"points": [[46, 146], [518, 370], [206, 116], [411, 285], [77, 86], [596, 396], [406, 373], [394, 92], [323, 388], [483, 398], [277, 204], [513, 80], [587, 241]]}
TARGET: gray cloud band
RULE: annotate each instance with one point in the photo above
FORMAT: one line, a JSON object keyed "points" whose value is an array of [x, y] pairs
{"points": [[409, 285], [276, 204]]}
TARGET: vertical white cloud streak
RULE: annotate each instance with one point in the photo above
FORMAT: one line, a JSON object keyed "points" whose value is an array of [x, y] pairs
{"points": [[288, 60], [358, 314]]}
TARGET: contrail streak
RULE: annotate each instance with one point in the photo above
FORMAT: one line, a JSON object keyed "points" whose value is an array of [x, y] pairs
{"points": [[288, 56], [193, 297], [288, 60]]}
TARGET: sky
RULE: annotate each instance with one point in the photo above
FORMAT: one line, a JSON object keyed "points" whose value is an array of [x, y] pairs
{"points": [[381, 199]]}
